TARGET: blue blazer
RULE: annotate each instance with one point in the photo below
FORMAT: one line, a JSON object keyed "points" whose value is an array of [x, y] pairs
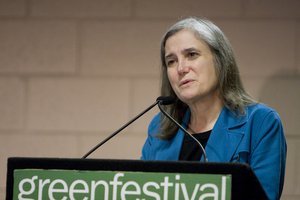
{"points": [[255, 138]]}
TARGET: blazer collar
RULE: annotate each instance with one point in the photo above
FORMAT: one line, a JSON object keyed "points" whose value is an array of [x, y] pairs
{"points": [[225, 136]]}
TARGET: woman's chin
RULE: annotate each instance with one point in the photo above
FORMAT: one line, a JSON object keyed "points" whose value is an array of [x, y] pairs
{"points": [[187, 98]]}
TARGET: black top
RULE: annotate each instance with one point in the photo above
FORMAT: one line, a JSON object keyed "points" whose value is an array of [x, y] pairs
{"points": [[190, 149]]}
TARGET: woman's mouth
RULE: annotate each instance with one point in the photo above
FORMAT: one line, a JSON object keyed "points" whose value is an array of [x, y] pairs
{"points": [[185, 82]]}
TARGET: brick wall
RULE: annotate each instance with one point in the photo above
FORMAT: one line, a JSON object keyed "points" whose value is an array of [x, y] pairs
{"points": [[73, 71]]}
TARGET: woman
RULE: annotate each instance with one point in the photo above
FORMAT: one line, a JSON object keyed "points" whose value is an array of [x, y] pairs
{"points": [[200, 71]]}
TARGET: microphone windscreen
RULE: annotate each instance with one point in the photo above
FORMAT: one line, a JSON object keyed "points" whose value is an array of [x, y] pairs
{"points": [[166, 100]]}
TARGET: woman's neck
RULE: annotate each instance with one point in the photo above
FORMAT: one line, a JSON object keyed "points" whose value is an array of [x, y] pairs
{"points": [[204, 114]]}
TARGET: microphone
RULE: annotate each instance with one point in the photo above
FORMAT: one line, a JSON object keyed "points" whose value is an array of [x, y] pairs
{"points": [[165, 100], [161, 99], [160, 103]]}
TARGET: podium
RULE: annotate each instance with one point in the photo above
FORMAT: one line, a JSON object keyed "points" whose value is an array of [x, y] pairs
{"points": [[105, 179]]}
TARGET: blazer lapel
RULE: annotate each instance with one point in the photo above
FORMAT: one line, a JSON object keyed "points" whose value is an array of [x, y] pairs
{"points": [[225, 137]]}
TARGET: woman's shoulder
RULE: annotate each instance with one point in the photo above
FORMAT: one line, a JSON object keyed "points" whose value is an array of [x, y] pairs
{"points": [[260, 110], [260, 107]]}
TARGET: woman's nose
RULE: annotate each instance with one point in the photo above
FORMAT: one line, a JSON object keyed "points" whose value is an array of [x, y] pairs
{"points": [[182, 66]]}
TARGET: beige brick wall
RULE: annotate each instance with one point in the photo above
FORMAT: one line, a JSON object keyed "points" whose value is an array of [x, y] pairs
{"points": [[73, 71]]}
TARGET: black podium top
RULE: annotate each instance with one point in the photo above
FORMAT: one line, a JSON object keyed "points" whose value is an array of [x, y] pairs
{"points": [[245, 185]]}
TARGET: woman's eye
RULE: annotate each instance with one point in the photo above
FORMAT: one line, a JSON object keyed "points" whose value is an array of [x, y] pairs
{"points": [[170, 62], [192, 54]]}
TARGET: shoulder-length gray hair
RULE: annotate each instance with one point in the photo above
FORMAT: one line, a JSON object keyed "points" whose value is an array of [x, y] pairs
{"points": [[230, 86]]}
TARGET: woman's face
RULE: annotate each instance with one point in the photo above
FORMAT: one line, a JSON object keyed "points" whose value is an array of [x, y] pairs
{"points": [[190, 67]]}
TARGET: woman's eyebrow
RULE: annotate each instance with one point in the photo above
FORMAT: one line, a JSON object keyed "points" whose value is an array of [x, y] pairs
{"points": [[170, 55], [190, 49]]}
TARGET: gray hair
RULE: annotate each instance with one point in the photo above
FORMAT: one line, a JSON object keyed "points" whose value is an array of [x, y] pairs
{"points": [[231, 89]]}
